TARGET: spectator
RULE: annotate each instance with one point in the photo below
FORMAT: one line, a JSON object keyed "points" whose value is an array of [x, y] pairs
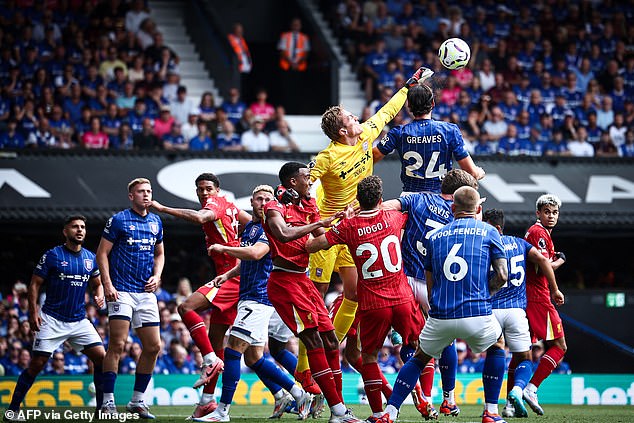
{"points": [[207, 107], [202, 141], [137, 72], [107, 67], [146, 139], [42, 137], [617, 130], [254, 140], [182, 105], [190, 128], [127, 365], [605, 115], [135, 16], [387, 361], [294, 47], [486, 76], [174, 140], [183, 290], [145, 34], [125, 101], [11, 139], [627, 149], [281, 139], [240, 47], [227, 139], [111, 123], [605, 147], [178, 361], [56, 366], [163, 125], [261, 108], [580, 147], [509, 145], [126, 142], [495, 127], [557, 146], [95, 138]]}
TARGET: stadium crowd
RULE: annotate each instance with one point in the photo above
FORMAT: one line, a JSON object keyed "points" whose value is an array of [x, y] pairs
{"points": [[99, 75]]}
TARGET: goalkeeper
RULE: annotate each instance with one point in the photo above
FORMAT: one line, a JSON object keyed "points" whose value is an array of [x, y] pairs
{"points": [[340, 167]]}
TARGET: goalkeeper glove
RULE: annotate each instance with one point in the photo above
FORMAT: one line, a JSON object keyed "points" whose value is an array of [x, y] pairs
{"points": [[560, 255], [420, 76]]}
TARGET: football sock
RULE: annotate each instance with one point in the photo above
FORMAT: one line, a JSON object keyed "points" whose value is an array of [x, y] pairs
{"points": [[372, 384], [97, 378], [196, 326], [24, 383], [386, 388], [323, 376], [492, 377], [522, 374], [344, 318], [335, 366], [510, 374], [231, 375], [448, 365], [407, 352], [547, 364], [141, 381], [427, 379], [210, 388], [270, 373], [302, 358], [287, 359], [405, 381], [109, 379]]}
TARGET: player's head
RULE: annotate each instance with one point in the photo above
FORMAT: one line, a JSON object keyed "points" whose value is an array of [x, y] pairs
{"points": [[338, 123], [207, 185], [370, 192], [420, 100], [455, 179], [296, 175], [466, 202], [494, 217], [140, 193], [548, 210], [261, 195], [75, 229]]}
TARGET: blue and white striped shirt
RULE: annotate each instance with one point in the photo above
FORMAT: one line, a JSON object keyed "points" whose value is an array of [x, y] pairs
{"points": [[459, 256], [66, 274], [132, 256], [426, 212], [513, 293], [426, 147], [254, 274]]}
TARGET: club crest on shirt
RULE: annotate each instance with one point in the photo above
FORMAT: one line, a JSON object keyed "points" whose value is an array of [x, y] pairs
{"points": [[319, 271], [254, 230], [88, 264], [541, 243], [43, 259], [154, 228], [365, 146]]}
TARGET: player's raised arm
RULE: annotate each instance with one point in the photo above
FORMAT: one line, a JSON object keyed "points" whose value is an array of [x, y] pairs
{"points": [[467, 164], [394, 204], [194, 216], [251, 252], [285, 233]]}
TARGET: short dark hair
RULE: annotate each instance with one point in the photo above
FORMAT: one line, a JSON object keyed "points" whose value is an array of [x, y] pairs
{"points": [[420, 100], [369, 192], [290, 170], [208, 177], [494, 217], [455, 179], [72, 217]]}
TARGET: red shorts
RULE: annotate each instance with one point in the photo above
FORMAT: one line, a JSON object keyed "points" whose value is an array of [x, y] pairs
{"points": [[334, 308], [223, 300], [375, 324], [298, 302], [544, 321]]}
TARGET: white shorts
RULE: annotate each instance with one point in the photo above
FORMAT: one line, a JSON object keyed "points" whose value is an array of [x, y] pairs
{"points": [[138, 308], [252, 322], [419, 288], [479, 332], [53, 333], [515, 328], [278, 329]]}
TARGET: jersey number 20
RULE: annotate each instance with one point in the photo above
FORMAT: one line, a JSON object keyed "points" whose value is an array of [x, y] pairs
{"points": [[385, 256]]}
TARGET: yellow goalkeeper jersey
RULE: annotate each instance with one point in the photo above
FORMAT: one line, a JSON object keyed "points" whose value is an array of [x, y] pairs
{"points": [[340, 167]]}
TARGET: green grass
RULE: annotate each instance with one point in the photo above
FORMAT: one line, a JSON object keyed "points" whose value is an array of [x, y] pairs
{"points": [[469, 413]]}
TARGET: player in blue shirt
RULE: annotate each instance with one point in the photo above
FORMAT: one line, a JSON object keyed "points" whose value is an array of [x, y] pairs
{"points": [[509, 308], [427, 212], [426, 146], [250, 329], [67, 270], [131, 259], [457, 263]]}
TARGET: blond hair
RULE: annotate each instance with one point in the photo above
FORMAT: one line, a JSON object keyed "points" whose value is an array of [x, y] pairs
{"points": [[136, 182], [265, 188], [332, 122]]}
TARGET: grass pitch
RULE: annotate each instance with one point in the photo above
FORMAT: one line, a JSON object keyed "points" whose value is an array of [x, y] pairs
{"points": [[469, 413]]}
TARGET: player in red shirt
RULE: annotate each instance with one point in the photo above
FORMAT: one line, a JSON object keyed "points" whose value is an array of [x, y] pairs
{"points": [[384, 295], [220, 219], [288, 223], [544, 321]]}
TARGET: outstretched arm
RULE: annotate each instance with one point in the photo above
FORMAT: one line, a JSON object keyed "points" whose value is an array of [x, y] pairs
{"points": [[285, 233], [469, 166], [251, 252], [194, 216]]}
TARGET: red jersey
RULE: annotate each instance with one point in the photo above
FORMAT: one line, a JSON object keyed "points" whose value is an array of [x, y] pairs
{"points": [[223, 230], [294, 215], [373, 238], [536, 283]]}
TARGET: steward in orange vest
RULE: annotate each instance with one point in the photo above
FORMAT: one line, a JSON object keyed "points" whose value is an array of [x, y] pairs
{"points": [[294, 47]]}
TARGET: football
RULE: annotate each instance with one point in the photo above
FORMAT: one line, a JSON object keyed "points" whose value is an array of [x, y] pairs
{"points": [[454, 53]]}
